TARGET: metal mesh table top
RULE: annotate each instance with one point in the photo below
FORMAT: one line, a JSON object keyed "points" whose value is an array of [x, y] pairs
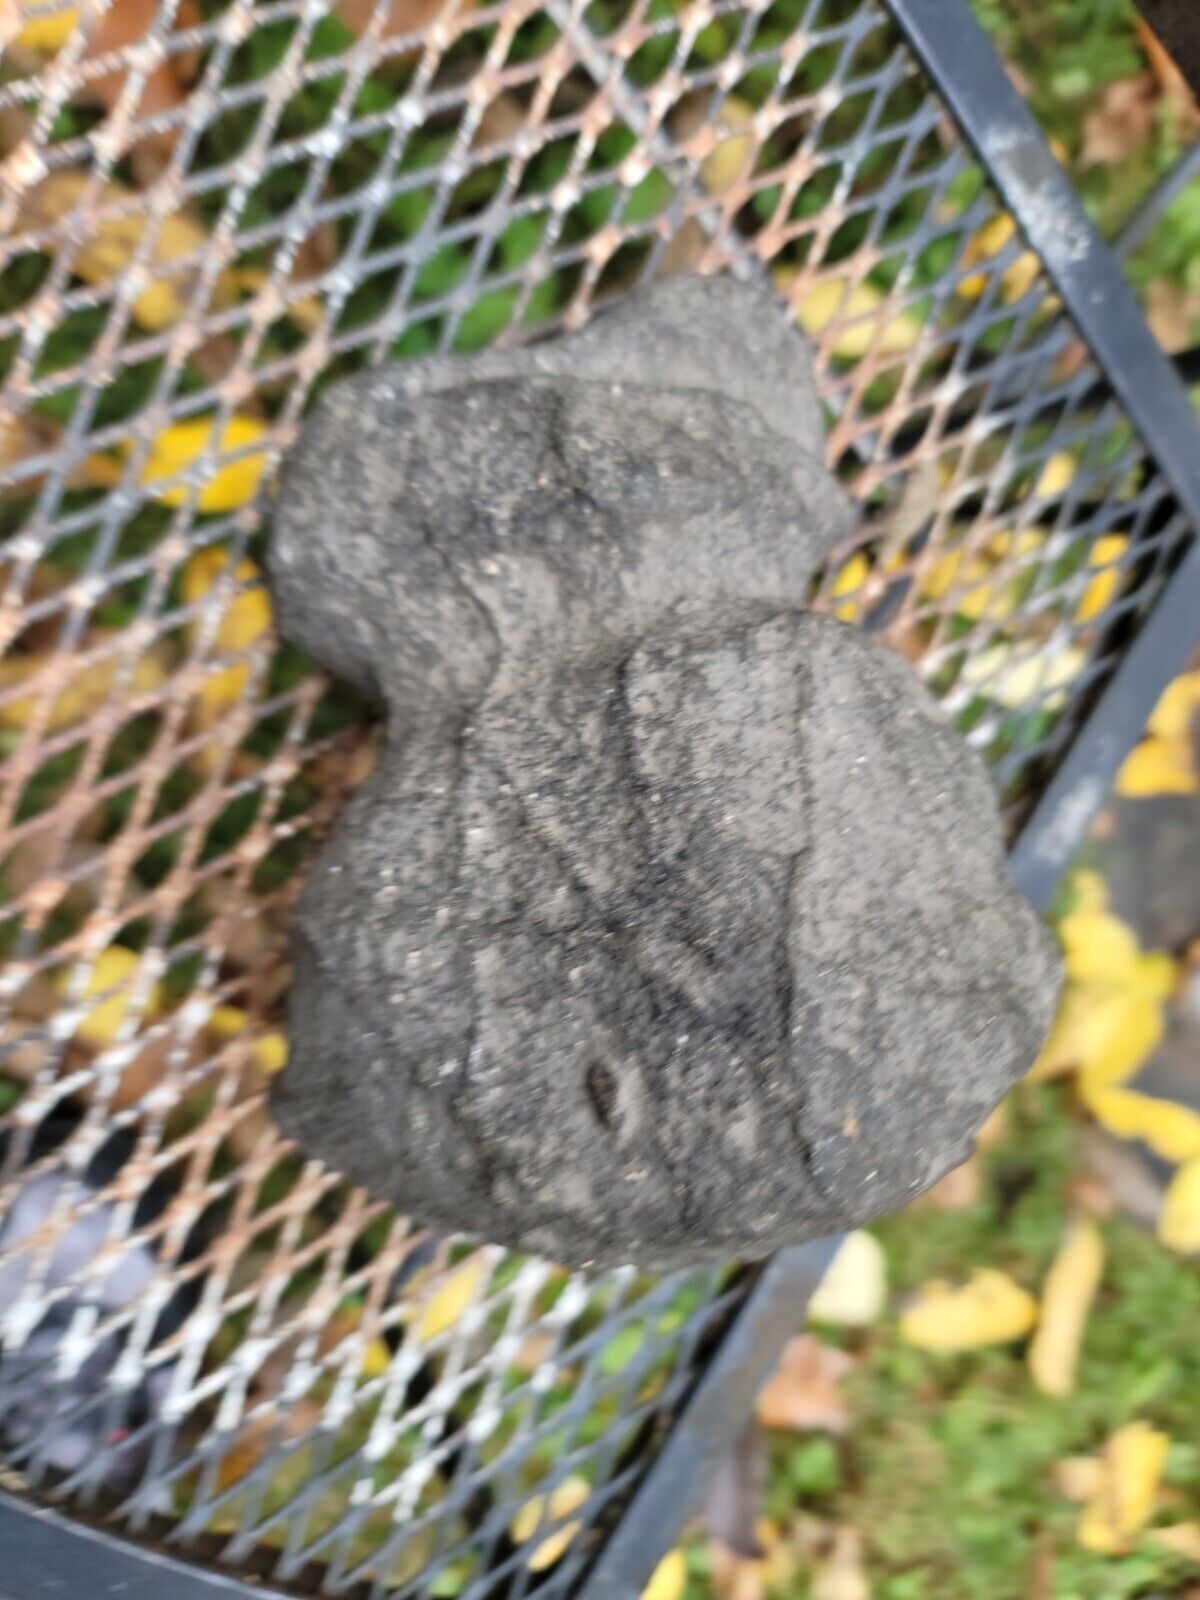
{"points": [[206, 217]]}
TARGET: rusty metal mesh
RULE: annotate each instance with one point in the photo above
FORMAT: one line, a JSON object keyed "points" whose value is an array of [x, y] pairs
{"points": [[206, 216]]}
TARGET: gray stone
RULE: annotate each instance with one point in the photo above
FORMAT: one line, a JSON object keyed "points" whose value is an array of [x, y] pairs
{"points": [[674, 922]]}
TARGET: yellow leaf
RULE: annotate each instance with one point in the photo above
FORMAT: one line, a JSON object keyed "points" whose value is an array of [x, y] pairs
{"points": [[1181, 1539], [964, 577], [862, 306], [376, 1359], [724, 165], [47, 34], [848, 581], [1105, 555], [1179, 1219], [246, 617], [270, 1050], [1101, 950], [989, 1309], [1089, 892], [1124, 1500], [1175, 712], [1056, 475], [669, 1578], [542, 1511], [1017, 675], [1153, 974], [1170, 1129], [1110, 1018], [82, 695], [1067, 1295], [982, 583], [228, 486], [111, 244], [1007, 543], [217, 693], [1157, 766], [349, 1315], [114, 969], [451, 1298], [852, 1292], [271, 1053], [1097, 946], [1116, 1034], [1019, 278], [248, 614], [226, 1021], [989, 241]]}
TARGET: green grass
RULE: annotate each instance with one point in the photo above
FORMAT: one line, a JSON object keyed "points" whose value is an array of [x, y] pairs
{"points": [[947, 1467]]}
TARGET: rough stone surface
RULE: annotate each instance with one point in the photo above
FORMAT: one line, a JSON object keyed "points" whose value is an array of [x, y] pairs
{"points": [[674, 922]]}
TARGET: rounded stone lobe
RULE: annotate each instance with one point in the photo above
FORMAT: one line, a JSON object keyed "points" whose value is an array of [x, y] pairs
{"points": [[674, 922]]}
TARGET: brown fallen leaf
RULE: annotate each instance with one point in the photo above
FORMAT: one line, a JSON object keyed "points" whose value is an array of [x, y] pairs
{"points": [[960, 1189], [403, 16], [25, 436], [123, 26], [735, 1577], [263, 1433], [535, 1351], [37, 999], [144, 1073], [1077, 1477], [502, 120], [1088, 1197], [1119, 1173], [685, 249], [1120, 121], [840, 1575], [994, 1128], [1181, 1539], [22, 1058], [1172, 312], [804, 1391]]}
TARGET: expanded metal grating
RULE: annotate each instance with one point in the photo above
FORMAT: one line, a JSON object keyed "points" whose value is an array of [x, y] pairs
{"points": [[210, 208]]}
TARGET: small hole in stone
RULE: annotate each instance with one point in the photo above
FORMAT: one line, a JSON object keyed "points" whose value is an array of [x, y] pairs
{"points": [[601, 1084]]}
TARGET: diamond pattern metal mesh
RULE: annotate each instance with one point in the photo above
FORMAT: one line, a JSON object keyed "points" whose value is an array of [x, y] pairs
{"points": [[210, 208]]}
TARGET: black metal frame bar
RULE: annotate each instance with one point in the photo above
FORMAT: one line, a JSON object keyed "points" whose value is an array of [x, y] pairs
{"points": [[970, 78], [46, 1556], [41, 1551]]}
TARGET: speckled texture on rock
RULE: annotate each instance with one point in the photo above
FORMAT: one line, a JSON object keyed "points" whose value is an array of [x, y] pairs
{"points": [[674, 922]]}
